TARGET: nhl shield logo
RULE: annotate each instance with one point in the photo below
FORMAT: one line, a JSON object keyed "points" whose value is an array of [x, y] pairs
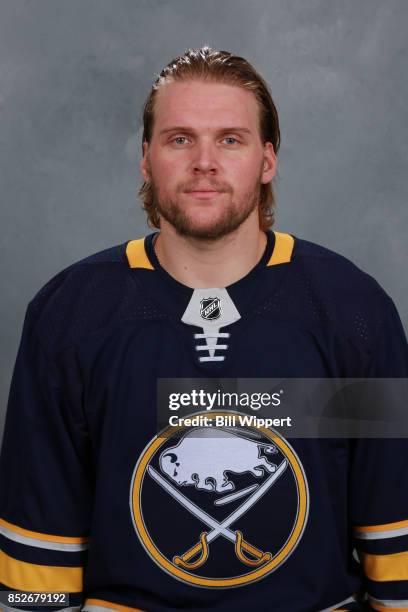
{"points": [[237, 503], [210, 308]]}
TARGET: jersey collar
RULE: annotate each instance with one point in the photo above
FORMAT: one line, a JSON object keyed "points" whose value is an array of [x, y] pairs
{"points": [[140, 252], [244, 292]]}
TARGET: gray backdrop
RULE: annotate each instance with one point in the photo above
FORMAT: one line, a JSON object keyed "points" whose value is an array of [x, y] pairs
{"points": [[73, 78]]}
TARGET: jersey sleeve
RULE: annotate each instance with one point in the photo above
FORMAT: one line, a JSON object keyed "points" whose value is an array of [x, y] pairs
{"points": [[379, 487], [45, 477]]}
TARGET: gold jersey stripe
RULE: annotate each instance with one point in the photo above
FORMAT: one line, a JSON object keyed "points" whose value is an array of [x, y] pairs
{"points": [[385, 527], [136, 254], [282, 252], [386, 567], [24, 576], [96, 604], [42, 536]]}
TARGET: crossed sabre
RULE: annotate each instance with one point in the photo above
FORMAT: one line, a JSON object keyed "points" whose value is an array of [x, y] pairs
{"points": [[217, 528]]}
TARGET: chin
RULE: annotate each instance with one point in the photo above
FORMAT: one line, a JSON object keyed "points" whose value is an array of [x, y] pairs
{"points": [[205, 231], [209, 223]]}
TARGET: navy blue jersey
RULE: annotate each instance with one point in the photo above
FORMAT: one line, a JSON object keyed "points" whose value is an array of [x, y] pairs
{"points": [[95, 504]]}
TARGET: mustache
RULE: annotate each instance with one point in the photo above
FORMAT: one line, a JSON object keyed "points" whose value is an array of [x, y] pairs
{"points": [[190, 186]]}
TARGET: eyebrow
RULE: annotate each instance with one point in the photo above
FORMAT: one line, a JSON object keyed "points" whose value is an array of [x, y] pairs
{"points": [[181, 128]]}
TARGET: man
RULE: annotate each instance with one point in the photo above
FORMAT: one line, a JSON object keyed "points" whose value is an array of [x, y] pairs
{"points": [[93, 502]]}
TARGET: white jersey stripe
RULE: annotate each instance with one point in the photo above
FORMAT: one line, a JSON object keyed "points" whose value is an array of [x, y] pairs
{"points": [[37, 543], [390, 603], [381, 535]]}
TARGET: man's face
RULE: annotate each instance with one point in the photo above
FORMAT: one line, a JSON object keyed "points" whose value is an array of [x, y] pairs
{"points": [[206, 161]]}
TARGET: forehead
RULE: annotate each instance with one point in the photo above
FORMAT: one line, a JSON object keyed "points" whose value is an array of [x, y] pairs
{"points": [[205, 105]]}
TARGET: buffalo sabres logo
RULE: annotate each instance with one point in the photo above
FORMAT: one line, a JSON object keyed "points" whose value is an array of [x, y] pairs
{"points": [[210, 308], [235, 503]]}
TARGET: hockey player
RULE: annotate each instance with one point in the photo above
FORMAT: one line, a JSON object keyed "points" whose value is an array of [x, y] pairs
{"points": [[94, 503]]}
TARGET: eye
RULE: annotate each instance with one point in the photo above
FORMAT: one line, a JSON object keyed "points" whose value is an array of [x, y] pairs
{"points": [[177, 140], [231, 138]]}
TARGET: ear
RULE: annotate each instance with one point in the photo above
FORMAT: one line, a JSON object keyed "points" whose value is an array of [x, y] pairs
{"points": [[144, 169], [270, 163]]}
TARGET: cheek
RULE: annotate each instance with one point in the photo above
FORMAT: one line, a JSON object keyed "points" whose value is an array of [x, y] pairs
{"points": [[243, 168], [166, 170], [243, 175]]}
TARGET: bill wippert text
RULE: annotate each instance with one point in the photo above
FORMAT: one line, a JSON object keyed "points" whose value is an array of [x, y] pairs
{"points": [[230, 420]]}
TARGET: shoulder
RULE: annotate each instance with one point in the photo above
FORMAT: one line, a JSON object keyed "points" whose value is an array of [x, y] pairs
{"points": [[80, 275], [85, 296], [335, 272], [335, 290]]}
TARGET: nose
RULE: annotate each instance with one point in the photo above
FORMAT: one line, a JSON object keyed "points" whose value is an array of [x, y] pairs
{"points": [[205, 158]]}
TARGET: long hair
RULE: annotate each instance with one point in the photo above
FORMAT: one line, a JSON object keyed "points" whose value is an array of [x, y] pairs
{"points": [[219, 67]]}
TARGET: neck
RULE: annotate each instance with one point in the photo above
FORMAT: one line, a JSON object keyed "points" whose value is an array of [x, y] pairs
{"points": [[212, 263]]}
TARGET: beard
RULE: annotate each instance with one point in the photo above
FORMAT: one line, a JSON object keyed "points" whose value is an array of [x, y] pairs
{"points": [[233, 213]]}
